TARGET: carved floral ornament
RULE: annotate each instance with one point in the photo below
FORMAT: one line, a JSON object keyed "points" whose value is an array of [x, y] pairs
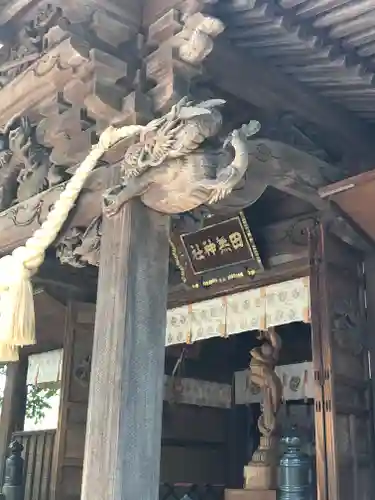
{"points": [[257, 309]]}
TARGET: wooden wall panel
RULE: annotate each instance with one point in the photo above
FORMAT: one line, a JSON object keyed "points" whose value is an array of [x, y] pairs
{"points": [[70, 437], [193, 439], [339, 320]]}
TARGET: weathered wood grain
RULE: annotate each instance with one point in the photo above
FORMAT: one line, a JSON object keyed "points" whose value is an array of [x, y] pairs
{"points": [[255, 81], [123, 438]]}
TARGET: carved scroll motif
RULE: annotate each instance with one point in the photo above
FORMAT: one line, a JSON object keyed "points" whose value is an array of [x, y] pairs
{"points": [[79, 247], [26, 169], [31, 42], [178, 43], [346, 327], [82, 372]]}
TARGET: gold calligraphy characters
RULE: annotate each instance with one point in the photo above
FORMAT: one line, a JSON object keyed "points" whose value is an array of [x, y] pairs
{"points": [[220, 246]]}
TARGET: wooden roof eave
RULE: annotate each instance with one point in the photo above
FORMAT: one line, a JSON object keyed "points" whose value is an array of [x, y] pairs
{"points": [[254, 80], [354, 199]]}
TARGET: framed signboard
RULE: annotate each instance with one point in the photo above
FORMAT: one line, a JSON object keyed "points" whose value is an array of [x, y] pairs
{"points": [[221, 251]]}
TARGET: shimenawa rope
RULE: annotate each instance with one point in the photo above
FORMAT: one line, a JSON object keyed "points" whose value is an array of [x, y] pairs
{"points": [[17, 316]]}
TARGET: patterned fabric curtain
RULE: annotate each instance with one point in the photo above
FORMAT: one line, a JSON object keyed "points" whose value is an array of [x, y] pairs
{"points": [[197, 392], [178, 326], [246, 311], [208, 319], [288, 302], [297, 380], [256, 309]]}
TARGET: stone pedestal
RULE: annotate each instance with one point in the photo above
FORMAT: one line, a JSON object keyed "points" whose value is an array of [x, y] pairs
{"points": [[250, 495]]}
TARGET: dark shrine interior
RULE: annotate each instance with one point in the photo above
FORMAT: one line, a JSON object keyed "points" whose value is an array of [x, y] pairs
{"points": [[217, 360]]}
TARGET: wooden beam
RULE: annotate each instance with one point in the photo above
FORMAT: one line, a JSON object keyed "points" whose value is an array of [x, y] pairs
{"points": [[67, 281], [19, 222], [123, 437], [181, 295], [261, 84], [15, 8], [13, 410], [283, 248]]}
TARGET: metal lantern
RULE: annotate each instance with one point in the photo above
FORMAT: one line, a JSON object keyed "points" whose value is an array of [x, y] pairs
{"points": [[13, 484], [295, 471]]}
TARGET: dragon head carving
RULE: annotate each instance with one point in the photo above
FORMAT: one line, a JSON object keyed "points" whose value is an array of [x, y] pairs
{"points": [[174, 135]]}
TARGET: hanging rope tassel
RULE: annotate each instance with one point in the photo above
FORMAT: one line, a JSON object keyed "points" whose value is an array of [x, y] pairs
{"points": [[8, 353], [17, 316]]}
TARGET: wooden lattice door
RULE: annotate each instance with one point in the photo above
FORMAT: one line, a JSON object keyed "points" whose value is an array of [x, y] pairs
{"points": [[341, 348]]}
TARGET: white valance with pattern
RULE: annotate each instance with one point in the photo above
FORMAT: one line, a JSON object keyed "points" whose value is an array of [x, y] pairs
{"points": [[256, 309]]}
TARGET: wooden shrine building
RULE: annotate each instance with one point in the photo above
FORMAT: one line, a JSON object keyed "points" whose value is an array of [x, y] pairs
{"points": [[191, 237]]}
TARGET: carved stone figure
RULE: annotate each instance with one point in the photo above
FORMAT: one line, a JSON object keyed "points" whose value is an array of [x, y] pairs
{"points": [[261, 472], [170, 171]]}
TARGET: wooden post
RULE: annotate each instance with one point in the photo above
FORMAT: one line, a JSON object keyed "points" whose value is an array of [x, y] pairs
{"points": [[123, 436], [13, 410], [370, 327]]}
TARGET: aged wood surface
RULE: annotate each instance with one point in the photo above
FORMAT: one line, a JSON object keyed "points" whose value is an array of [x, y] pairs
{"points": [[254, 81], [123, 439], [70, 435], [339, 319], [13, 409], [19, 222], [353, 197], [370, 324], [317, 346], [38, 446], [284, 172]]}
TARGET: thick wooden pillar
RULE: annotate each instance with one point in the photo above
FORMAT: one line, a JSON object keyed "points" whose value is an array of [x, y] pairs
{"points": [[13, 410], [123, 437]]}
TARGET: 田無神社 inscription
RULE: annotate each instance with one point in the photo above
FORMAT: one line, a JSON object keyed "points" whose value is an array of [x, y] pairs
{"points": [[221, 251], [219, 246]]}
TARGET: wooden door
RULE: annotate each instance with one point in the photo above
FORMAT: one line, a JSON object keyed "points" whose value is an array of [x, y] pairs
{"points": [[70, 437], [339, 330]]}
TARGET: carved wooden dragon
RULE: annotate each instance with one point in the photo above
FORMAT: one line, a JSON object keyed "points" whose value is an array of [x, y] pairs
{"points": [[171, 172], [174, 167]]}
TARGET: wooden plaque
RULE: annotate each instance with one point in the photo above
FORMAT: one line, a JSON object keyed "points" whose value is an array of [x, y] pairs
{"points": [[223, 250]]}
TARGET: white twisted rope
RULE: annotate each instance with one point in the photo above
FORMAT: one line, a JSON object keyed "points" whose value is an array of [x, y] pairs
{"points": [[17, 317]]}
